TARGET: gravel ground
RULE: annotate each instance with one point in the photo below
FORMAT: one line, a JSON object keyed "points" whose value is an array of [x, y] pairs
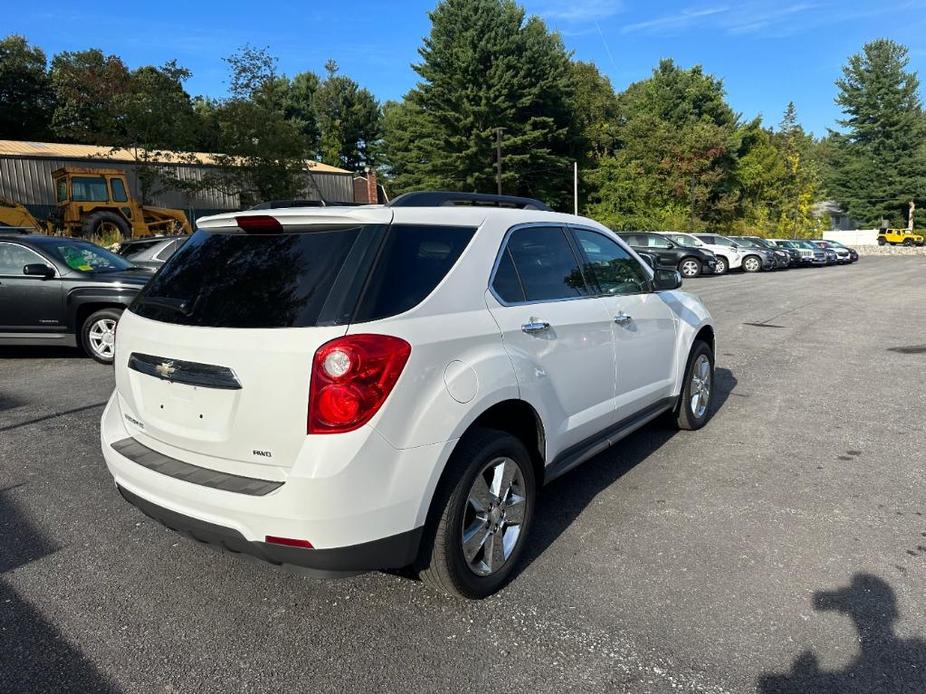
{"points": [[780, 549]]}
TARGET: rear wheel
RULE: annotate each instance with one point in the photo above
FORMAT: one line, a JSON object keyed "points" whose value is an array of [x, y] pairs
{"points": [[694, 406], [107, 226], [751, 263], [481, 515], [690, 267], [98, 335]]}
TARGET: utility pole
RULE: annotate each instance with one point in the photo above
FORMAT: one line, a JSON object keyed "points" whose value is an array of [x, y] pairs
{"points": [[692, 219], [498, 158], [575, 186]]}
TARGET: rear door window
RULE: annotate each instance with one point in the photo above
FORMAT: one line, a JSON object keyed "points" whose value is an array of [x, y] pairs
{"points": [[545, 266]]}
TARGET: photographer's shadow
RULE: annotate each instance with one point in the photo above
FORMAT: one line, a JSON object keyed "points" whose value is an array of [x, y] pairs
{"points": [[885, 663]]}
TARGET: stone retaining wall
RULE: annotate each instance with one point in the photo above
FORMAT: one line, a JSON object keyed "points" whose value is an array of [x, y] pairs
{"points": [[891, 250]]}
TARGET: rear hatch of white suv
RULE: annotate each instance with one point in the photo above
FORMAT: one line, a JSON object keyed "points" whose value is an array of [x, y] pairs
{"points": [[215, 356]]}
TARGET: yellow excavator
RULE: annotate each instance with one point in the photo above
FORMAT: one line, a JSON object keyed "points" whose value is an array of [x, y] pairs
{"points": [[96, 204], [12, 214]]}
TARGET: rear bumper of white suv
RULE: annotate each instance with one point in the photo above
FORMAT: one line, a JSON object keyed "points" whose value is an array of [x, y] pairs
{"points": [[368, 515]]}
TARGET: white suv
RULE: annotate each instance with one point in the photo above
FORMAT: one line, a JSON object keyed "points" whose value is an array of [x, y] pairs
{"points": [[347, 389], [728, 255]]}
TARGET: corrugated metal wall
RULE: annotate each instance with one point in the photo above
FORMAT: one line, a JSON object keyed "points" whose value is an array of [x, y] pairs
{"points": [[28, 181]]}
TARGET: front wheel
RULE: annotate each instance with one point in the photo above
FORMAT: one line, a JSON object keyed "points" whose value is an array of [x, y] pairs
{"points": [[694, 406], [908, 242], [882, 241], [722, 266], [690, 267], [751, 263], [98, 335], [481, 516]]}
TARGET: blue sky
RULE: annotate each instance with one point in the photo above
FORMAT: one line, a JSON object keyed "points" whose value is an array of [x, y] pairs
{"points": [[767, 51]]}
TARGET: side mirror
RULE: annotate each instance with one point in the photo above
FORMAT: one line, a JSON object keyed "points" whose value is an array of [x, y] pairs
{"points": [[667, 279], [39, 270]]}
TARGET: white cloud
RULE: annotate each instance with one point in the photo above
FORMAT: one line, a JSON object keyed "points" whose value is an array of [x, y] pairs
{"points": [[579, 10], [675, 22], [768, 18]]}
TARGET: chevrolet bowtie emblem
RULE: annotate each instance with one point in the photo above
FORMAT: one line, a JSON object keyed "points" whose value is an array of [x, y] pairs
{"points": [[166, 369]]}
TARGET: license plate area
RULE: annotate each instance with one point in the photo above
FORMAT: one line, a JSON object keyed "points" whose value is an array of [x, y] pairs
{"points": [[184, 411]]}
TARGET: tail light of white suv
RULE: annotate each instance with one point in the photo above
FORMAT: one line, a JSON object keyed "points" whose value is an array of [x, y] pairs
{"points": [[351, 378]]}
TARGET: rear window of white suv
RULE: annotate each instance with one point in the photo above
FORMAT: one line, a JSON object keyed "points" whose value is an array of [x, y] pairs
{"points": [[302, 278]]}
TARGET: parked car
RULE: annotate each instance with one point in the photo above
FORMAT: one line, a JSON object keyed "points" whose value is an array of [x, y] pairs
{"points": [[756, 256], [689, 261], [853, 254], [781, 256], [724, 246], [829, 253], [62, 291], [819, 254], [151, 251], [403, 383], [727, 257], [843, 256], [797, 256]]}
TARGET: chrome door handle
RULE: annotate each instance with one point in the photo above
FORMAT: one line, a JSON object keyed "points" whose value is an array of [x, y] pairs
{"points": [[622, 318], [535, 326]]}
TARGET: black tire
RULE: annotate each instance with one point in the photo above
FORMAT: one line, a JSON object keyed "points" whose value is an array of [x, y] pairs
{"points": [[98, 223], [908, 242], [882, 241], [685, 416], [441, 562], [100, 319], [752, 263], [689, 267], [722, 266]]}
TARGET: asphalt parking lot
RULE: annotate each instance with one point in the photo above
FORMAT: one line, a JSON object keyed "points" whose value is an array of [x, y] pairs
{"points": [[780, 549]]}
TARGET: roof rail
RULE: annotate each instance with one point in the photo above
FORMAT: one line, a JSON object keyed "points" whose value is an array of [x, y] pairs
{"points": [[445, 198]]}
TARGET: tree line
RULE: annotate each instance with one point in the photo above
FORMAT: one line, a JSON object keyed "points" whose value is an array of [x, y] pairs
{"points": [[668, 152]]}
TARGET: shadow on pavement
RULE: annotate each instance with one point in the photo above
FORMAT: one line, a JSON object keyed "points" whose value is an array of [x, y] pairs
{"points": [[885, 663], [39, 352], [34, 655], [564, 499]]}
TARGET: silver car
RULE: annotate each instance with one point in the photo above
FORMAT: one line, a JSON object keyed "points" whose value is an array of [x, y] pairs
{"points": [[151, 251]]}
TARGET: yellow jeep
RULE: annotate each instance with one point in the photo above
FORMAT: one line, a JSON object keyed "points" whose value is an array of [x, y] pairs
{"points": [[901, 237], [98, 203]]}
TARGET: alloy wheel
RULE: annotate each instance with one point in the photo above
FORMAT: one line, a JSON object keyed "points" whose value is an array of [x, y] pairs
{"points": [[102, 338], [492, 519], [700, 389], [751, 264], [690, 268]]}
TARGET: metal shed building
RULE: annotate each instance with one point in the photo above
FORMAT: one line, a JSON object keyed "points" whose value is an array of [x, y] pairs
{"points": [[26, 167]]}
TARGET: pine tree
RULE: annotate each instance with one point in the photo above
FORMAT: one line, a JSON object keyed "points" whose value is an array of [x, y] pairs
{"points": [[485, 66], [879, 161]]}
